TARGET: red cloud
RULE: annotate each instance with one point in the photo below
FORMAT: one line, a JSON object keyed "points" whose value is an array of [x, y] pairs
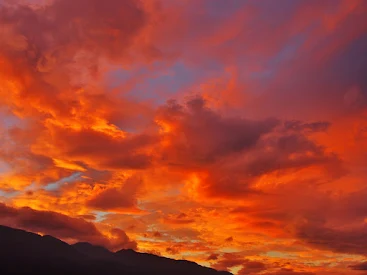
{"points": [[252, 267], [179, 219], [117, 198], [227, 261], [341, 241]]}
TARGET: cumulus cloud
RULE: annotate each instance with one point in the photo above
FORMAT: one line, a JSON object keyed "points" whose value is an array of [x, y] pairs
{"points": [[231, 153], [201, 136]]}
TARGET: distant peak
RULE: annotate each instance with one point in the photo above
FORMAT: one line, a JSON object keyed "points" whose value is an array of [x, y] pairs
{"points": [[129, 250]]}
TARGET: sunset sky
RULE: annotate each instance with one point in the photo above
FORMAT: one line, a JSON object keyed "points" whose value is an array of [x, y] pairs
{"points": [[232, 133]]}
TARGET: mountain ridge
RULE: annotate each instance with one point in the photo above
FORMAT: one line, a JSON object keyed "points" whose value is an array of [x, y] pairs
{"points": [[24, 252]]}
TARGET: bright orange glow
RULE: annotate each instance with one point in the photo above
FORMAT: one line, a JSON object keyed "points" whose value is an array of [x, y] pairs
{"points": [[230, 133]]}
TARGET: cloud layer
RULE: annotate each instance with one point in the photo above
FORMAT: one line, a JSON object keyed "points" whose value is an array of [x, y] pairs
{"points": [[231, 133]]}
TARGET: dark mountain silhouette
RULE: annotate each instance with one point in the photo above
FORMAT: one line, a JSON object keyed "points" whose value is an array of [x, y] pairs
{"points": [[23, 252]]}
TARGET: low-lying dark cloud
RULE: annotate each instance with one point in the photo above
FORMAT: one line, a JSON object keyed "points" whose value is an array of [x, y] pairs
{"points": [[63, 227]]}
